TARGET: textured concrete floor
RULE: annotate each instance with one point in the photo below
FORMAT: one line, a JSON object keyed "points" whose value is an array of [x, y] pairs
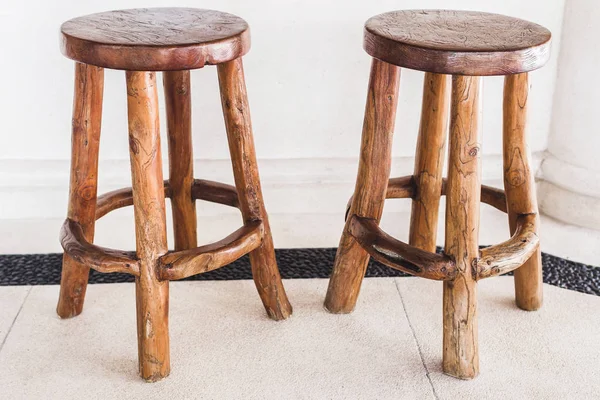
{"points": [[223, 346]]}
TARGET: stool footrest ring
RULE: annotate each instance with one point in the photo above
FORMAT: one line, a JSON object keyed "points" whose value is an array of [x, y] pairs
{"points": [[405, 187], [494, 260], [98, 258], [399, 255], [202, 189], [173, 265], [511, 254], [181, 264]]}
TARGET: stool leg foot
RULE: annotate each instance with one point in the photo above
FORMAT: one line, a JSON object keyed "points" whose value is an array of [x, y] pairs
{"points": [[519, 186], [245, 170], [460, 352], [181, 161], [152, 295], [429, 162], [371, 184], [87, 115]]}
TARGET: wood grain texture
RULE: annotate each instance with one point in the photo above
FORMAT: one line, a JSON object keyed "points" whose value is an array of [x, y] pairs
{"points": [[404, 187], [494, 197], [101, 259], [152, 295], [371, 185], [429, 162], [457, 42], [519, 185], [236, 112], [215, 192], [181, 264], [511, 254], [155, 39], [460, 352], [399, 255], [202, 189], [85, 142], [401, 188], [178, 105]]}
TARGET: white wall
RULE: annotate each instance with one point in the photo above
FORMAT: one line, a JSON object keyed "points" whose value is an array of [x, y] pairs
{"points": [[306, 74]]}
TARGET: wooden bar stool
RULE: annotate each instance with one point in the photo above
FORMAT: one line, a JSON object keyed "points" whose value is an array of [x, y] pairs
{"points": [[466, 45], [173, 40]]}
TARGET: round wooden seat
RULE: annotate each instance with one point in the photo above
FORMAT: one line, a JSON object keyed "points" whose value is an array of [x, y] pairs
{"points": [[457, 42], [155, 39]]}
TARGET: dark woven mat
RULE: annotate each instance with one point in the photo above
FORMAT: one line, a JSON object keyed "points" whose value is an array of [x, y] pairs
{"points": [[44, 269]]}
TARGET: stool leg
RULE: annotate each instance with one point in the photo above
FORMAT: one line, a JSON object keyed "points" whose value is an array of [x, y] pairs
{"points": [[461, 356], [429, 162], [371, 184], [181, 162], [519, 185], [243, 159], [85, 142], [152, 295]]}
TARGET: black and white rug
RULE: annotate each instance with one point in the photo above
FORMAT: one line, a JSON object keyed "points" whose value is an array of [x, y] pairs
{"points": [[44, 269]]}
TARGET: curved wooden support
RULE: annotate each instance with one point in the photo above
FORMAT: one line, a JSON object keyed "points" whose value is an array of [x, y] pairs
{"points": [[401, 188], [118, 199], [214, 192], [511, 254], [99, 258], [399, 255], [494, 197], [181, 264], [405, 187]]}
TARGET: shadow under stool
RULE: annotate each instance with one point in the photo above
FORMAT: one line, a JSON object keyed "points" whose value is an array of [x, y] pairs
{"points": [[142, 41], [466, 45]]}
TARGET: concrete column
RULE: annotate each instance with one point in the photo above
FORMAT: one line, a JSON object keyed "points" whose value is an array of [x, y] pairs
{"points": [[569, 189]]}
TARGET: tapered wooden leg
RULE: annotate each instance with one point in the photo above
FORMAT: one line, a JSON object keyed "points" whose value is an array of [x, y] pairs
{"points": [[429, 162], [519, 185], [461, 356], [152, 295], [181, 162], [85, 142], [245, 170], [371, 183]]}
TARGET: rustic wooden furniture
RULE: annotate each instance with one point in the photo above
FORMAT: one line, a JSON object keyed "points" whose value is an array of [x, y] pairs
{"points": [[172, 40], [466, 45]]}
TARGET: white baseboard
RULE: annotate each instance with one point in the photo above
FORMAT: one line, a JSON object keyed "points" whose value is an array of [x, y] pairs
{"points": [[569, 193]]}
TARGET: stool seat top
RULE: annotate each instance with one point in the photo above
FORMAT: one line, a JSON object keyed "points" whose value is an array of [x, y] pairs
{"points": [[155, 39], [457, 42]]}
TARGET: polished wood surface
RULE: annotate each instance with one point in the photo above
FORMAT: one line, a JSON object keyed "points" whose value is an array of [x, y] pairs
{"points": [[457, 42], [513, 253], [178, 105], [236, 112], [466, 45], [101, 259], [202, 189], [155, 39], [181, 264], [519, 185], [371, 184], [429, 162], [171, 40], [399, 255], [85, 142], [152, 295], [460, 349]]}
